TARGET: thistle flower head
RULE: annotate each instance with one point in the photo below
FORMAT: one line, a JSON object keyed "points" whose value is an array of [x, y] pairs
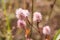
{"points": [[46, 30], [37, 16]]}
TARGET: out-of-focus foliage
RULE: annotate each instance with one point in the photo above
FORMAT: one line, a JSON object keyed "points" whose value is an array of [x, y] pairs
{"points": [[44, 6]]}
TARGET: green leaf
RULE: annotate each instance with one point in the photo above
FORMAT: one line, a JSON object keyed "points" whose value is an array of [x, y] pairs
{"points": [[56, 35]]}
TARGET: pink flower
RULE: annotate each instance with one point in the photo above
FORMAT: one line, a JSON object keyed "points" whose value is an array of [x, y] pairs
{"points": [[37, 16], [18, 12], [21, 13], [21, 24], [26, 13], [46, 30]]}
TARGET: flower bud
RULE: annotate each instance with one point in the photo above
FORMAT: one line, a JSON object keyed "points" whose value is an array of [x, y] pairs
{"points": [[37, 17], [21, 24], [46, 30], [22, 13]]}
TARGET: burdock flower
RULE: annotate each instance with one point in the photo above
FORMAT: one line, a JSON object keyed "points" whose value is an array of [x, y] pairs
{"points": [[21, 13], [21, 24], [46, 30], [37, 17]]}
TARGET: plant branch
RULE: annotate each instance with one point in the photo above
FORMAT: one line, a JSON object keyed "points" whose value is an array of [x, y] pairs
{"points": [[52, 6]]}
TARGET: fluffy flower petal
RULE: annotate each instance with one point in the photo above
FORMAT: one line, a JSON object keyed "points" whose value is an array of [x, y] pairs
{"points": [[18, 12], [21, 24], [46, 30], [37, 16], [22, 12], [26, 13]]}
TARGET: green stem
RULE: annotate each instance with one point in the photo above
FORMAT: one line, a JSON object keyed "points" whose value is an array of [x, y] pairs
{"points": [[8, 34]]}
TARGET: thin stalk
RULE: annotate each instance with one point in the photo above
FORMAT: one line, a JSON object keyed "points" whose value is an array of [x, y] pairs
{"points": [[52, 6], [32, 18], [32, 26], [31, 23], [38, 26]]}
